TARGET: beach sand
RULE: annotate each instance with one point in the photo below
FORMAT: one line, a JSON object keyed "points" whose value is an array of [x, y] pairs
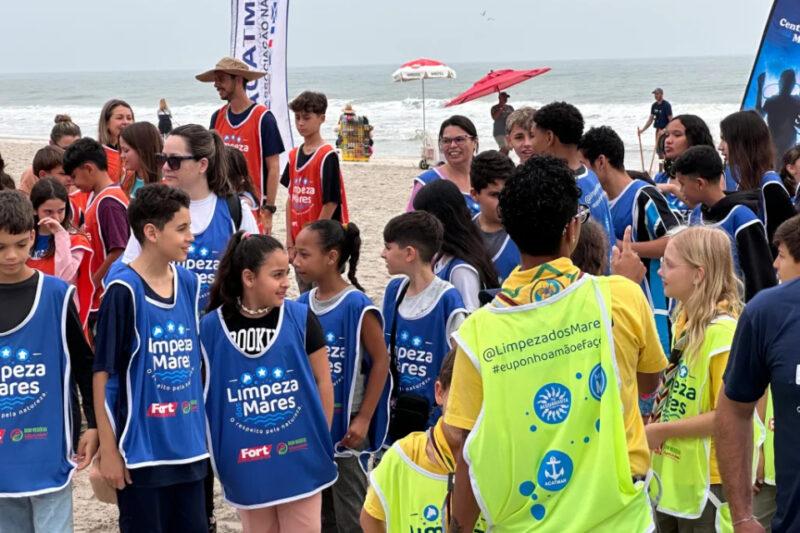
{"points": [[376, 192]]}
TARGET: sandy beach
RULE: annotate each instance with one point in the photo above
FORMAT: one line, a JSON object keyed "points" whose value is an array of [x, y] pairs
{"points": [[376, 191]]}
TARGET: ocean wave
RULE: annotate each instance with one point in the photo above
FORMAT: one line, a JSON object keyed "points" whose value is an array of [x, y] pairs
{"points": [[270, 419]]}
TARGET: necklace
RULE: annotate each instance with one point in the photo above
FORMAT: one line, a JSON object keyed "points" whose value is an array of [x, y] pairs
{"points": [[252, 312]]}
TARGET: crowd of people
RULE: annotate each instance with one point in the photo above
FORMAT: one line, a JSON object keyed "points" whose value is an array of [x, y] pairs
{"points": [[563, 345]]}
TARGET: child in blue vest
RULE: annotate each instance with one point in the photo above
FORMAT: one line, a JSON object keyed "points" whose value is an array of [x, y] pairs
{"points": [[421, 312], [148, 385], [636, 204], [269, 395], [488, 175], [463, 259], [37, 460], [699, 172], [357, 356]]}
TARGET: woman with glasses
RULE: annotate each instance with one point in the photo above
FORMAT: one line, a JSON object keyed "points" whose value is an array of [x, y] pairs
{"points": [[458, 143], [194, 160]]}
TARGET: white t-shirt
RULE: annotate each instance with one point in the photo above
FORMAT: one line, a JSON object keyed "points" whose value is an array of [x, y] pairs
{"points": [[465, 279], [421, 304], [201, 213]]}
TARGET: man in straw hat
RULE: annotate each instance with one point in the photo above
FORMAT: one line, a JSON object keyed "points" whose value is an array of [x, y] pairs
{"points": [[251, 128]]}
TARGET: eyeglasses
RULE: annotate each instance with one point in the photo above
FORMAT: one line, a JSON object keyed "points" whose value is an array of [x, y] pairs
{"points": [[583, 213], [460, 140], [173, 161]]}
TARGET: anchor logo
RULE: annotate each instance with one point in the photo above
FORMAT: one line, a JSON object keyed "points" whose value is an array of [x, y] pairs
{"points": [[556, 474], [555, 471]]}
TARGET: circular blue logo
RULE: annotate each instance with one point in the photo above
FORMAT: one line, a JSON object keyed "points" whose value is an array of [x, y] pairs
{"points": [[246, 378], [158, 332], [683, 371], [5, 352], [552, 403], [431, 513], [555, 471], [597, 381]]}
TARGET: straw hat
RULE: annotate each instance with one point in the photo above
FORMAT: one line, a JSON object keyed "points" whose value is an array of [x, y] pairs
{"points": [[348, 110], [231, 66]]}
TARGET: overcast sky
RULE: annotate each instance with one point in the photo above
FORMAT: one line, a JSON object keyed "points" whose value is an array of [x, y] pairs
{"points": [[58, 35]]}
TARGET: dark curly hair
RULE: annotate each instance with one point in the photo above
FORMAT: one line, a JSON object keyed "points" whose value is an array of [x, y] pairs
{"points": [[537, 203], [462, 239], [309, 102], [488, 167], [603, 141], [700, 162], [563, 119]]}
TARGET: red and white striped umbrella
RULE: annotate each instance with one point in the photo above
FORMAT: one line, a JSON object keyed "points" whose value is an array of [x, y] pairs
{"points": [[423, 68]]}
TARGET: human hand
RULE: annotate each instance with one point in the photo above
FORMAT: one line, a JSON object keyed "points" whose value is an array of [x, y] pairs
{"points": [[52, 225], [655, 435], [113, 470], [356, 432], [87, 448], [266, 221], [625, 262]]}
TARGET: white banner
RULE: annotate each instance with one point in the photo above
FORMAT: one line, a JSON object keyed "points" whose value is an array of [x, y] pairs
{"points": [[258, 37]]}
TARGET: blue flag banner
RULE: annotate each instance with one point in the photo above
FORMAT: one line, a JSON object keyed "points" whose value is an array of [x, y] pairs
{"points": [[773, 90], [258, 37]]}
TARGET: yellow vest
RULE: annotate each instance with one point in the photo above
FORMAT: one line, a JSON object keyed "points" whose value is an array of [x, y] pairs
{"points": [[548, 451], [683, 464]]}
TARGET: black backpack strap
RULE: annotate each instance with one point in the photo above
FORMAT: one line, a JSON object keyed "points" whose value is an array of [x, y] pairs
{"points": [[393, 338], [235, 207]]}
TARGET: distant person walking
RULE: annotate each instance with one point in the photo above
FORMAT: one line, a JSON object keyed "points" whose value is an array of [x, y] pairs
{"points": [[164, 118], [660, 115], [500, 112]]}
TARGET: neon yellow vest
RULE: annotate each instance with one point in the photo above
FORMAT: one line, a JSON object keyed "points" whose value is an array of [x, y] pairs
{"points": [[683, 464], [412, 497], [769, 442], [548, 451]]}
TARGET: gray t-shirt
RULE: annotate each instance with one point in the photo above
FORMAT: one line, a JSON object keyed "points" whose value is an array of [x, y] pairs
{"points": [[493, 241], [500, 121]]}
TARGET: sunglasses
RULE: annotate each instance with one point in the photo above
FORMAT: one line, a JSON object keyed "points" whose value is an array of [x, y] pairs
{"points": [[173, 161]]}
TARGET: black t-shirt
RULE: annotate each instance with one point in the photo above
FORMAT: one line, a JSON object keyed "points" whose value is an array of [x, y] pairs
{"points": [[18, 299], [331, 179], [253, 335], [114, 342], [661, 111]]}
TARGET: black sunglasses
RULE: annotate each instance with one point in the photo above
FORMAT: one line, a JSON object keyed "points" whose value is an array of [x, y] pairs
{"points": [[173, 161]]}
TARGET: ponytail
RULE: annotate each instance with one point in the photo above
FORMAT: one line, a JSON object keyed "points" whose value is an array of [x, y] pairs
{"points": [[203, 143], [346, 239], [245, 251]]}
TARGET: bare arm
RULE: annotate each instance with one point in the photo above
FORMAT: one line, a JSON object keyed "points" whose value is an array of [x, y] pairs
{"points": [[97, 277], [373, 339], [322, 375], [271, 190], [328, 210], [648, 383], [733, 435], [370, 524], [112, 467], [465, 509], [647, 124], [651, 249], [693, 427]]}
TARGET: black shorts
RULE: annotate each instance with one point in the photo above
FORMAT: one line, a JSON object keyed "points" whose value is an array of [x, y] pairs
{"points": [[180, 507]]}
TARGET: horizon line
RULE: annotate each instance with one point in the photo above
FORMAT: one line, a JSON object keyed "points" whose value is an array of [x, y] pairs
{"points": [[391, 65]]}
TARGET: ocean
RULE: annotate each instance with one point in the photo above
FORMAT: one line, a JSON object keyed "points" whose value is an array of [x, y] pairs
{"points": [[616, 93]]}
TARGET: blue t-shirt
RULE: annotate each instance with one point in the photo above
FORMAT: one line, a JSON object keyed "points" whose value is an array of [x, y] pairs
{"points": [[764, 352], [661, 112], [40, 246]]}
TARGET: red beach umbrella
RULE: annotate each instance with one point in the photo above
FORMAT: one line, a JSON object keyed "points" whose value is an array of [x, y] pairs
{"points": [[494, 82]]}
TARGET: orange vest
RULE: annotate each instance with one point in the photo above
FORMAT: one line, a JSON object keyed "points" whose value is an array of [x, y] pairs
{"points": [[78, 200], [246, 137], [114, 163], [83, 282], [92, 227], [305, 189]]}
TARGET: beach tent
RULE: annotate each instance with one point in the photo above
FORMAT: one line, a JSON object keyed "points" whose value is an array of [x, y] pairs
{"points": [[494, 82]]}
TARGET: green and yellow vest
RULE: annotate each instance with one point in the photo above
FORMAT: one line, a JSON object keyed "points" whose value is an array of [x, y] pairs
{"points": [[548, 451]]}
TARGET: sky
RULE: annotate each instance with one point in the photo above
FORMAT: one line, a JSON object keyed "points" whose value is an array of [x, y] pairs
{"points": [[108, 35]]}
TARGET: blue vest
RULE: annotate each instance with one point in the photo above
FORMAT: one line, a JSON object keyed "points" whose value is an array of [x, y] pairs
{"points": [[766, 179], [422, 343], [738, 217], [731, 183], [624, 209], [164, 423], [342, 327], [592, 195], [450, 267], [675, 204], [268, 434], [208, 248], [506, 259], [35, 421], [432, 175]]}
